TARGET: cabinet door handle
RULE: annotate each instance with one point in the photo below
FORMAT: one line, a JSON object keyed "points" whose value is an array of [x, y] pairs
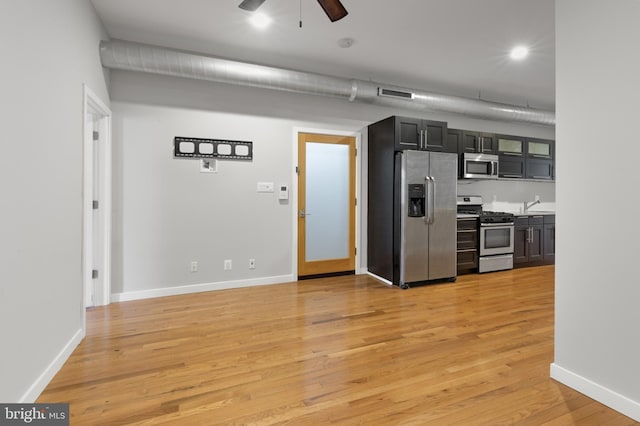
{"points": [[466, 250], [540, 156], [542, 177], [530, 235], [421, 139], [426, 138], [467, 230], [512, 176], [513, 154], [481, 144]]}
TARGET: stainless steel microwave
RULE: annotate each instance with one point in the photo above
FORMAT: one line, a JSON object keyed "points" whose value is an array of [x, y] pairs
{"points": [[479, 166]]}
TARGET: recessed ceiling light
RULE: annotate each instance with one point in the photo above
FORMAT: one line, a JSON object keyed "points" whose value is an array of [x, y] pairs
{"points": [[260, 20], [346, 42], [518, 53]]}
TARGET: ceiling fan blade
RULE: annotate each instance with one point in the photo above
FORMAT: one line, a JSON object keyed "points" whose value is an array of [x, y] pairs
{"points": [[250, 5], [334, 9]]}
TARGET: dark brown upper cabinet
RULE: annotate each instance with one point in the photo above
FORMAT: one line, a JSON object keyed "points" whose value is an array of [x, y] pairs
{"points": [[522, 157], [419, 134], [479, 142], [540, 162], [454, 138], [511, 152]]}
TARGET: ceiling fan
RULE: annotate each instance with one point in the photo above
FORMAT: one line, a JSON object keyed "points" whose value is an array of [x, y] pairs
{"points": [[333, 8]]}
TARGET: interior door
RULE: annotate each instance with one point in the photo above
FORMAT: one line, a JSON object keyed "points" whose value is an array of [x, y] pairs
{"points": [[326, 204]]}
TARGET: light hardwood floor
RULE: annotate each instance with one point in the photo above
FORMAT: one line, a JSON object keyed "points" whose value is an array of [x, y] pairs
{"points": [[344, 350]]}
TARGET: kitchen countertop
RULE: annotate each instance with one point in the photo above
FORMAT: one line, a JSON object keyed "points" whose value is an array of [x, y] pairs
{"points": [[536, 213]]}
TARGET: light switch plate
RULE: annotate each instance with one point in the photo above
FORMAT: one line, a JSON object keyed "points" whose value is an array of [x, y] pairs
{"points": [[265, 187]]}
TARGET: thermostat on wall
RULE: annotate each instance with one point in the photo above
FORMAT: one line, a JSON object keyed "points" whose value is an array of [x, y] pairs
{"points": [[283, 193]]}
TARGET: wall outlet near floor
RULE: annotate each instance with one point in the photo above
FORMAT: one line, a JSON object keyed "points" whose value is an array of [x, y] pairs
{"points": [[252, 264], [227, 265], [194, 266]]}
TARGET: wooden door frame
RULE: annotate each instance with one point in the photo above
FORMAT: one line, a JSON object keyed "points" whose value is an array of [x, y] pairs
{"points": [[294, 193]]}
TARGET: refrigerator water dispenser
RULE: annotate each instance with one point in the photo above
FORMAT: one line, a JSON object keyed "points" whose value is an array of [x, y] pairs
{"points": [[416, 200]]}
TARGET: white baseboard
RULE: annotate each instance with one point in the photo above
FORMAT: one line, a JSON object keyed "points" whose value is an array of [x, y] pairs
{"points": [[43, 380], [198, 288], [606, 396]]}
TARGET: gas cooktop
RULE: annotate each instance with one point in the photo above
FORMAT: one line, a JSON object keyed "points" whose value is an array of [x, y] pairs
{"points": [[495, 217], [472, 204]]}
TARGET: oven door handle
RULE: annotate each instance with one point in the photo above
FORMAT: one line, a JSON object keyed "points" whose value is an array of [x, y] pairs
{"points": [[494, 225]]}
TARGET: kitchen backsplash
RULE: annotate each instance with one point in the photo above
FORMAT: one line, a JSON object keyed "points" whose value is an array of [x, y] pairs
{"points": [[510, 195]]}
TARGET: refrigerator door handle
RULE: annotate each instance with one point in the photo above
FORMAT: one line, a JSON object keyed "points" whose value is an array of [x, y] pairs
{"points": [[427, 215], [433, 200], [430, 186]]}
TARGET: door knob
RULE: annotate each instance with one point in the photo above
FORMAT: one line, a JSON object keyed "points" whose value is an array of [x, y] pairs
{"points": [[303, 214]]}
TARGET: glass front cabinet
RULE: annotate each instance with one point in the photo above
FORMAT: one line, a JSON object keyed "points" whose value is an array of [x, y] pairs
{"points": [[522, 157]]}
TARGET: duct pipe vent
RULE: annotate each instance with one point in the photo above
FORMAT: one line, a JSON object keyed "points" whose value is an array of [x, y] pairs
{"points": [[130, 56], [395, 93]]}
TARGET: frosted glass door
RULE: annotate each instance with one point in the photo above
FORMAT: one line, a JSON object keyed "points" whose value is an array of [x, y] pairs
{"points": [[327, 203]]}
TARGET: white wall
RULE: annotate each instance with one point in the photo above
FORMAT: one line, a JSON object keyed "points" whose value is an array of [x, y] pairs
{"points": [[167, 214], [597, 343], [48, 50], [172, 214]]}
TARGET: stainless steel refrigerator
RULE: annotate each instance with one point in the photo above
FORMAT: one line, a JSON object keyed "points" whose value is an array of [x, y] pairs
{"points": [[428, 189]]}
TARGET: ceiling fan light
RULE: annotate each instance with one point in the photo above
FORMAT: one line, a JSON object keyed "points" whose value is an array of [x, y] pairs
{"points": [[334, 9], [260, 20]]}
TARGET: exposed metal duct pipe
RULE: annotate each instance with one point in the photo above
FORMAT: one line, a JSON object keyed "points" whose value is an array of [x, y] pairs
{"points": [[159, 60]]}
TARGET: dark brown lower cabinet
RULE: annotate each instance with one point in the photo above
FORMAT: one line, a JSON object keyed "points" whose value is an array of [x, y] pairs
{"points": [[549, 240], [467, 248], [534, 240]]}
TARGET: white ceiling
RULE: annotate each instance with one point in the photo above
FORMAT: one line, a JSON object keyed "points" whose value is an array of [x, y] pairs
{"points": [[456, 47]]}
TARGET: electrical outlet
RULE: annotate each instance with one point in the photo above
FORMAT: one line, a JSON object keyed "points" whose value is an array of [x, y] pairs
{"points": [[252, 264], [227, 265], [194, 266]]}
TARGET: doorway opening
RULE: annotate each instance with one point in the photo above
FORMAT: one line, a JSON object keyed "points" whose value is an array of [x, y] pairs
{"points": [[96, 201]]}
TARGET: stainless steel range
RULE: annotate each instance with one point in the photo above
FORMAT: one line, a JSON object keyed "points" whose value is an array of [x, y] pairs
{"points": [[496, 234]]}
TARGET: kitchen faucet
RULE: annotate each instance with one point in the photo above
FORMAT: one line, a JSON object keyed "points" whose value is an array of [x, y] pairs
{"points": [[527, 206]]}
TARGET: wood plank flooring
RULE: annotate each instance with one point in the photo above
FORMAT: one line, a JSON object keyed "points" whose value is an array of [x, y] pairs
{"points": [[342, 350]]}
